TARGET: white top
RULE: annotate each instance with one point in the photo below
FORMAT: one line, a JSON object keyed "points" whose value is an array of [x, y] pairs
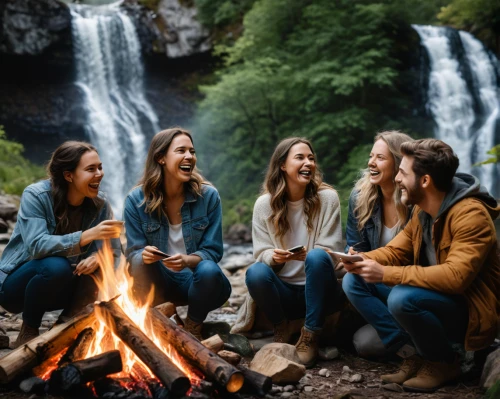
{"points": [[176, 240], [326, 232], [294, 272], [386, 235]]}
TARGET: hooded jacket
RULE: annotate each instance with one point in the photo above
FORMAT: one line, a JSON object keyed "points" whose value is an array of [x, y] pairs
{"points": [[463, 239]]}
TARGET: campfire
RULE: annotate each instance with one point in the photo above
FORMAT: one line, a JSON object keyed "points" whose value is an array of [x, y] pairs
{"points": [[121, 347]]}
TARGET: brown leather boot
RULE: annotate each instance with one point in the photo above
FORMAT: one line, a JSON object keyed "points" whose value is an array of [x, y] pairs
{"points": [[433, 375], [282, 333], [193, 328], [408, 369], [307, 347], [26, 334]]}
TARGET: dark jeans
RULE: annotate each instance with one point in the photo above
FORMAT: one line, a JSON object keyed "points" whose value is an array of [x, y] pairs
{"points": [[433, 321], [43, 285], [204, 289], [319, 297]]}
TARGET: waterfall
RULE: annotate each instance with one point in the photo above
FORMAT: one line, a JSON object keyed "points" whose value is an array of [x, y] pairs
{"points": [[463, 98], [110, 73]]}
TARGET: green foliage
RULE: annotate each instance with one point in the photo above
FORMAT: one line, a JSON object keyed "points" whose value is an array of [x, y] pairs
{"points": [[237, 211], [325, 70], [481, 17], [16, 172], [495, 151], [219, 13], [494, 391]]}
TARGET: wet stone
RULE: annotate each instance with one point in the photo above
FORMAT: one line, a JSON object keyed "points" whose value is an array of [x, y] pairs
{"points": [[289, 388]]}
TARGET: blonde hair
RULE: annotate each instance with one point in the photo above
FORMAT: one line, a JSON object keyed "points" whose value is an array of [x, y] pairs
{"points": [[368, 193], [152, 179], [275, 185]]}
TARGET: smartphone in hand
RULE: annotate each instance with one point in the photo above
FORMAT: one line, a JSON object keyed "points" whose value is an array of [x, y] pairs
{"points": [[157, 252], [296, 249], [342, 257]]}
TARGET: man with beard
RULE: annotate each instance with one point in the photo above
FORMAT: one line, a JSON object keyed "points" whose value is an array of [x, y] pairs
{"points": [[435, 287]]}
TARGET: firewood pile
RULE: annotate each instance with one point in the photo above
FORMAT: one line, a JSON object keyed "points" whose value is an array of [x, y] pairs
{"points": [[60, 364]]}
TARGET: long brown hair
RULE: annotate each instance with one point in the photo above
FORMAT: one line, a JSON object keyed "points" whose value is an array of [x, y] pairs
{"points": [[368, 193], [275, 185], [66, 157], [152, 179]]}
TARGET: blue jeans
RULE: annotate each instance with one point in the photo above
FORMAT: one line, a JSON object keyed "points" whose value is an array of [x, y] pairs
{"points": [[433, 321], [43, 285], [204, 289], [319, 297]]}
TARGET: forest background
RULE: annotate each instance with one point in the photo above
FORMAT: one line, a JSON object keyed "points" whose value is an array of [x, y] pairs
{"points": [[334, 71]]}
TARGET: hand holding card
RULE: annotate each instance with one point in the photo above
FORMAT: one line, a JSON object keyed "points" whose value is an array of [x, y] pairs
{"points": [[157, 252], [345, 258]]}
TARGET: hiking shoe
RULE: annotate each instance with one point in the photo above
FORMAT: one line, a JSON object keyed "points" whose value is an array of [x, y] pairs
{"points": [[407, 370], [282, 333], [26, 334], [433, 375], [307, 347], [193, 328]]}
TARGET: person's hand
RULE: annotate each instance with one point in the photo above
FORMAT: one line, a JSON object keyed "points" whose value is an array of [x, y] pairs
{"points": [[86, 266], [352, 251], [282, 255], [107, 229], [175, 262], [148, 256], [370, 270]]}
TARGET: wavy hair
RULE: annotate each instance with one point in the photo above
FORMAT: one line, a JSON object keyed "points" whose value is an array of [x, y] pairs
{"points": [[152, 179], [368, 193], [275, 185], [66, 158]]}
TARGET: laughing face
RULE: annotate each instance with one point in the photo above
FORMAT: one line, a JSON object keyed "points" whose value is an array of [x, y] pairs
{"points": [[84, 181], [180, 159], [381, 164], [409, 184], [299, 166]]}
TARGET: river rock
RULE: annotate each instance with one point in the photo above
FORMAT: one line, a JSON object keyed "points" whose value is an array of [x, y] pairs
{"points": [[236, 262], [280, 362], [239, 233], [491, 370]]}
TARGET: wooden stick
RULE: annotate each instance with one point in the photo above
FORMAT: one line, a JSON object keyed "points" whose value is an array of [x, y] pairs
{"points": [[215, 368], [74, 375], [79, 348], [44, 346], [214, 343], [158, 362]]}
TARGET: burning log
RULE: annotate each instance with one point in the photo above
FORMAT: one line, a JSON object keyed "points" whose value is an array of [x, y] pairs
{"points": [[159, 363], [45, 346], [72, 377], [79, 348], [257, 383], [190, 348]]}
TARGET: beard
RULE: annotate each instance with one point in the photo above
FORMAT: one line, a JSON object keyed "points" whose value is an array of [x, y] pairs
{"points": [[413, 195]]}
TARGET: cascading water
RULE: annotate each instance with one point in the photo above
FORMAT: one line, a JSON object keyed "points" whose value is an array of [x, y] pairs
{"points": [[109, 71], [463, 98]]}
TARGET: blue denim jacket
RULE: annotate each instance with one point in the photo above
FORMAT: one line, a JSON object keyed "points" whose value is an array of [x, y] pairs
{"points": [[369, 237], [33, 236], [201, 226]]}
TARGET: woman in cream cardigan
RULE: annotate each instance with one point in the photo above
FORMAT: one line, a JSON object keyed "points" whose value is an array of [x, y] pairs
{"points": [[295, 211]]}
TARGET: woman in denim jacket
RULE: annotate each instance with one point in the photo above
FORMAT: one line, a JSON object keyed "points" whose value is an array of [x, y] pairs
{"points": [[175, 211], [376, 215], [49, 259]]}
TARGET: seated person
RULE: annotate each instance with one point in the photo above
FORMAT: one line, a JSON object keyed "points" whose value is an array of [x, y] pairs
{"points": [[376, 214], [437, 282], [48, 262], [176, 212], [296, 209]]}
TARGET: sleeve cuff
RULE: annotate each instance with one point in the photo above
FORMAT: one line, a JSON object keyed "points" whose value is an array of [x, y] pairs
{"points": [[392, 275]]}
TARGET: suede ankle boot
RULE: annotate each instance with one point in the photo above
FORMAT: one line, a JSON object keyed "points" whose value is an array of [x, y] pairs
{"points": [[26, 334], [433, 375], [282, 333], [193, 328], [307, 347], [407, 370]]}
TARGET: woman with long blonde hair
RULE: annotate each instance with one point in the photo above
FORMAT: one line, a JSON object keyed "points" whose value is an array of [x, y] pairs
{"points": [[376, 213], [174, 231], [296, 221]]}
